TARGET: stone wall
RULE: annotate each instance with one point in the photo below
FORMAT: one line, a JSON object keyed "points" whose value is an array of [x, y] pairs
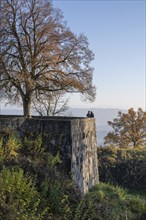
{"points": [[84, 153], [75, 137]]}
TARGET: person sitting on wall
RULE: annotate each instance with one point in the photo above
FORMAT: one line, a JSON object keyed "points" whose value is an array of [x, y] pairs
{"points": [[91, 115], [88, 114]]}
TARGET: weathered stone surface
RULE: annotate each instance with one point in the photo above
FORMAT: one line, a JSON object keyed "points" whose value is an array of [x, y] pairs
{"points": [[75, 137], [84, 153]]}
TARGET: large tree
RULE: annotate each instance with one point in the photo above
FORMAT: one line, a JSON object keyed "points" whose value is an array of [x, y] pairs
{"points": [[40, 53], [128, 129]]}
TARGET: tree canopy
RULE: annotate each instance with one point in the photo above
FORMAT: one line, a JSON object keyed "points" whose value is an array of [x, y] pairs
{"points": [[128, 129], [40, 53]]}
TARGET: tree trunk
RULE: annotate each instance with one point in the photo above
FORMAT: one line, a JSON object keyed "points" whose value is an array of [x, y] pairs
{"points": [[27, 106], [134, 144]]}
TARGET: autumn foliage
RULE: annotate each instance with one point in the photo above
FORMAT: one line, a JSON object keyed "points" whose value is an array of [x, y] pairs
{"points": [[40, 54], [128, 129]]}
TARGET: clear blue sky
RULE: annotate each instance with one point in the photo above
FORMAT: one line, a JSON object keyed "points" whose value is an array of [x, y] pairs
{"points": [[116, 33]]}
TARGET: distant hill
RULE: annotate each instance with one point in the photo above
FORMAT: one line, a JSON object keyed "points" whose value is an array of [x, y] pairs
{"points": [[102, 115]]}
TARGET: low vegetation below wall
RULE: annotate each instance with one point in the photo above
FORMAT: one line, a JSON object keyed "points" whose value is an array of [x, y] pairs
{"points": [[106, 202], [123, 167], [32, 186], [33, 183]]}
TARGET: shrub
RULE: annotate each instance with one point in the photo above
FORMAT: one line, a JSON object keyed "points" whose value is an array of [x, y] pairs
{"points": [[19, 199], [105, 202], [124, 167], [32, 147], [59, 193], [9, 147]]}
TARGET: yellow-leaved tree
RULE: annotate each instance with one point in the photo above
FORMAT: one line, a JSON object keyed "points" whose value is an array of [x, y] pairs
{"points": [[128, 129]]}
